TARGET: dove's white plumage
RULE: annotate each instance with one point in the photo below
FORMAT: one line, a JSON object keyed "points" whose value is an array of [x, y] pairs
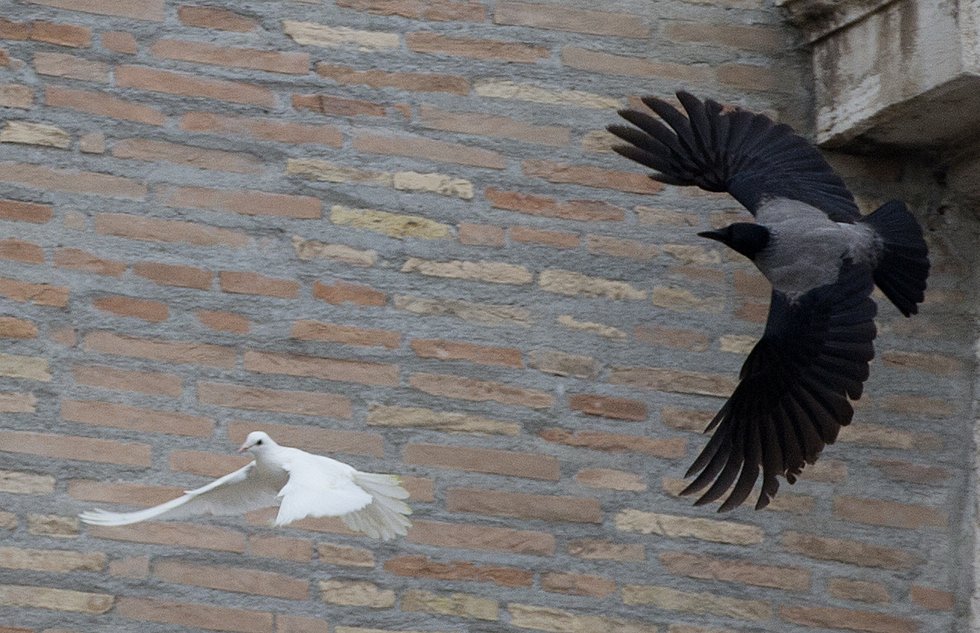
{"points": [[302, 484]]}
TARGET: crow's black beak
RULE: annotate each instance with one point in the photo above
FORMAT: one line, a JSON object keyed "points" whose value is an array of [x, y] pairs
{"points": [[713, 235]]}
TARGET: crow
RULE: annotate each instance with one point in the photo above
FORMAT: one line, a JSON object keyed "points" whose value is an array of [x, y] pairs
{"points": [[822, 258]]}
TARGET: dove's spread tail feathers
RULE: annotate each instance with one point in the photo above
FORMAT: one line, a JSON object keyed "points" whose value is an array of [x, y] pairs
{"points": [[385, 516]]}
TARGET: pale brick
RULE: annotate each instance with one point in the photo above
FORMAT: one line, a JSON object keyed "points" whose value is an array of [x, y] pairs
{"points": [[475, 390], [563, 364], [610, 479], [236, 579], [605, 63], [933, 599], [433, 183], [235, 57], [482, 313], [578, 584], [850, 619], [52, 525], [415, 82], [497, 126], [18, 402], [61, 561], [859, 590], [71, 67], [492, 50], [488, 271], [308, 250], [462, 605], [562, 18], [310, 34], [618, 247], [336, 369], [26, 367], [508, 89], [29, 133], [677, 381], [889, 513], [688, 527], [80, 448], [701, 603], [262, 128], [282, 401], [528, 616], [22, 483], [601, 329], [345, 555], [423, 567], [736, 570], [16, 96], [617, 443], [457, 350], [882, 436], [36, 597], [522, 505], [151, 10], [327, 171], [399, 417], [849, 551], [481, 537], [192, 615], [394, 225], [682, 299], [120, 42], [356, 593], [570, 283]]}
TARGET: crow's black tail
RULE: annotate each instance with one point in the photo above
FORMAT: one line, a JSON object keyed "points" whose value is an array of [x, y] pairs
{"points": [[903, 264]]}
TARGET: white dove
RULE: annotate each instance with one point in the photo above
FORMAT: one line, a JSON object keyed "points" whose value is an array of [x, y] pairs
{"points": [[303, 485]]}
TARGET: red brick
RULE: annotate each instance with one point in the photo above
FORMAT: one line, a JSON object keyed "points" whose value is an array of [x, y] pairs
{"points": [[63, 65], [933, 599], [484, 460], [220, 55], [610, 479], [102, 104], [858, 590], [618, 247], [430, 149], [737, 571], [155, 80], [151, 10], [121, 416], [151, 382], [71, 181], [257, 398], [322, 368], [456, 350], [850, 619], [300, 624], [480, 390], [183, 352], [343, 292], [480, 234], [119, 42], [186, 155], [522, 505], [237, 579], [38, 294], [10, 30], [751, 77], [129, 494], [764, 39], [481, 537], [313, 440], [921, 361], [286, 548], [337, 106], [262, 129], [849, 551], [914, 473], [194, 615], [61, 34], [18, 211], [588, 176], [206, 464], [563, 18], [21, 251], [12, 327], [670, 448], [147, 229], [889, 513], [248, 283], [608, 406], [415, 82], [918, 406], [495, 126], [441, 10], [153, 311], [224, 321], [77, 259], [347, 334], [493, 50], [578, 584], [174, 275], [71, 447], [424, 567], [215, 18], [604, 63], [193, 535], [580, 210], [556, 239], [244, 202]]}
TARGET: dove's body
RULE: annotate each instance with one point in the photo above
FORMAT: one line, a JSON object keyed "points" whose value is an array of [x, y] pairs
{"points": [[302, 484]]}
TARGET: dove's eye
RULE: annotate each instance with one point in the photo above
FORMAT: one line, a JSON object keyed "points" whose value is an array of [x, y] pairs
{"points": [[259, 442]]}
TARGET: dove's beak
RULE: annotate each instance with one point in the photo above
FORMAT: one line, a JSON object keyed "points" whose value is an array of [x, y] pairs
{"points": [[244, 447]]}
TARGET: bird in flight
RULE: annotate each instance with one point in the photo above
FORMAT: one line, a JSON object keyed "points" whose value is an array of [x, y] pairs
{"points": [[301, 484], [822, 258]]}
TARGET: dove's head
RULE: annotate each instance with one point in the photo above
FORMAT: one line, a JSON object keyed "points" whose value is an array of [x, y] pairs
{"points": [[256, 442]]}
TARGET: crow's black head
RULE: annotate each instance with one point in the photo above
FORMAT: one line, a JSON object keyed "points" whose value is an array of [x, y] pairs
{"points": [[745, 237]]}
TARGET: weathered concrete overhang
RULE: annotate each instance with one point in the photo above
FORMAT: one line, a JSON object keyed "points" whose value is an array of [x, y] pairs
{"points": [[900, 73]]}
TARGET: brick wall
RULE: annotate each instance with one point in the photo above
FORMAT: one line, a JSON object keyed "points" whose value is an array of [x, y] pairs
{"points": [[392, 231]]}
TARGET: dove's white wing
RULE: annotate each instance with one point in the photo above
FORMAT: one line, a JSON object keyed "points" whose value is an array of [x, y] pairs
{"points": [[317, 487], [235, 493], [385, 516]]}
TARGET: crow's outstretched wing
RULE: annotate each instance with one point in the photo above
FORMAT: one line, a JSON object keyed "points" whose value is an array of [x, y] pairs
{"points": [[792, 396], [733, 150]]}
